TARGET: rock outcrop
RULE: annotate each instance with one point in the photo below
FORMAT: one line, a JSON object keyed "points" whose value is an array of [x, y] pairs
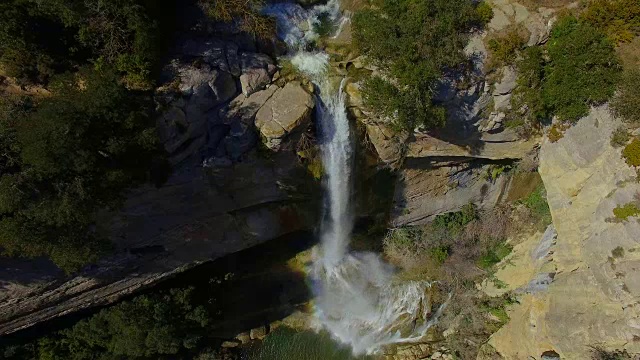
{"points": [[577, 291], [287, 111]]}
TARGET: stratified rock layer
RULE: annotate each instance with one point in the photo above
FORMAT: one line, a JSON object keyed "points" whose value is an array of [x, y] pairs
{"points": [[592, 298]]}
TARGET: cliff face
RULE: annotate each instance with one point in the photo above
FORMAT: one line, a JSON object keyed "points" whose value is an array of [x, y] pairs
{"points": [[225, 194], [581, 290]]}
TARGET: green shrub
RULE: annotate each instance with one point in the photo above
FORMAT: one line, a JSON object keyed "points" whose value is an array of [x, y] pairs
{"points": [[156, 326], [626, 211], [485, 12], [619, 19], [618, 252], [504, 49], [74, 153], [536, 202], [620, 137], [528, 92], [247, 13], [41, 38], [439, 254], [455, 221], [413, 41], [625, 103], [631, 153], [494, 255], [582, 69]]}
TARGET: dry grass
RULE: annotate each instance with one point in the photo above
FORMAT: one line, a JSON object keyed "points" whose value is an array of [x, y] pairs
{"points": [[629, 54]]}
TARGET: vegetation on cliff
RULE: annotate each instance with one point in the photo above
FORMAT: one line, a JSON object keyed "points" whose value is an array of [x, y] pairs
{"points": [[68, 156], [157, 326], [413, 42], [41, 38]]}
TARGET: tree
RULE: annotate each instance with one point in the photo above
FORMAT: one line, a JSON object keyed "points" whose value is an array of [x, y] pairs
{"points": [[413, 41], [582, 69], [74, 153], [147, 326]]}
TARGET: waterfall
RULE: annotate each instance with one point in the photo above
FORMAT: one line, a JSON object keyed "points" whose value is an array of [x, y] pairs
{"points": [[357, 299]]}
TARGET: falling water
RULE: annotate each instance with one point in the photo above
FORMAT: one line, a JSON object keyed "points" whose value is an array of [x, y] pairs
{"points": [[357, 298]]}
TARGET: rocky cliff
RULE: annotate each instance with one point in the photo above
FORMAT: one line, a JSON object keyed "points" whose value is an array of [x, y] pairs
{"points": [[578, 287], [216, 105]]}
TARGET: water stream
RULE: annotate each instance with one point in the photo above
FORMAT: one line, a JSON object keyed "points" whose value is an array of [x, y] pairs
{"points": [[357, 299]]}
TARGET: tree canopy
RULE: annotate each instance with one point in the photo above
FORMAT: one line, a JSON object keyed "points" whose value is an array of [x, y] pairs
{"points": [[413, 42], [73, 153]]}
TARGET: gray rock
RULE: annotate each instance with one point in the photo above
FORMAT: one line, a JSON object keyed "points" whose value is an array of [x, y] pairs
{"points": [[507, 82], [288, 110], [253, 80], [257, 70]]}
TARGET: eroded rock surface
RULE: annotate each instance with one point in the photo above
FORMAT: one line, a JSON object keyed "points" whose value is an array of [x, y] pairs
{"points": [[287, 111], [592, 296]]}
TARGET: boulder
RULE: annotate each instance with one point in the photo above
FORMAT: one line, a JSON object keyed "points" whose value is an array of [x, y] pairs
{"points": [[287, 111], [183, 127], [388, 143], [257, 70]]}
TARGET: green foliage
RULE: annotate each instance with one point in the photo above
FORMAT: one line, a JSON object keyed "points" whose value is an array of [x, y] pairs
{"points": [[618, 252], [485, 12], [72, 154], [494, 255], [582, 69], [625, 103], [626, 211], [39, 38], [454, 222], [413, 41], [536, 202], [439, 254], [631, 153], [620, 137], [619, 19], [147, 326], [528, 92], [505, 49]]}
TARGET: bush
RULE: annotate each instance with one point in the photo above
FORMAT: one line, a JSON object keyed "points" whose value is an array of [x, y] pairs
{"points": [[618, 252], [620, 137], [485, 12], [626, 211], [148, 326], [413, 41], [527, 96], [625, 103], [536, 202], [619, 19], [75, 153], [631, 153], [582, 69], [246, 12], [41, 38], [504, 49]]}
